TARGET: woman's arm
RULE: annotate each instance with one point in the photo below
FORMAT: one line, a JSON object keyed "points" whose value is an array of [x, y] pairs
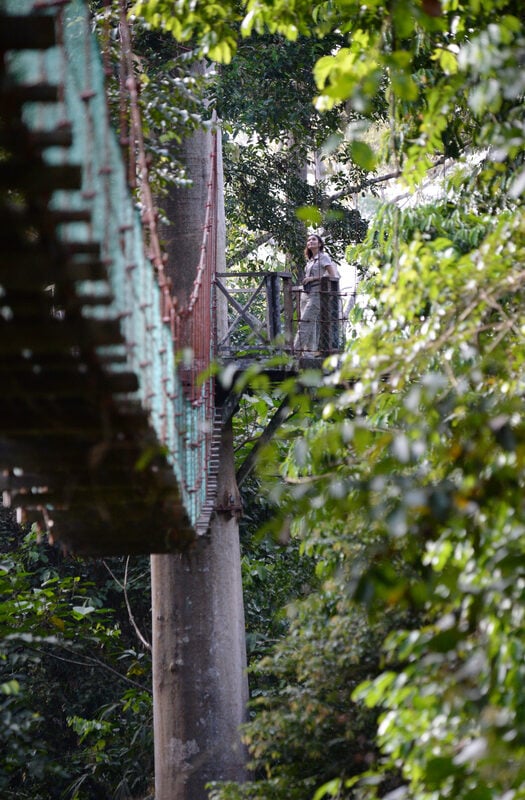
{"points": [[330, 269]]}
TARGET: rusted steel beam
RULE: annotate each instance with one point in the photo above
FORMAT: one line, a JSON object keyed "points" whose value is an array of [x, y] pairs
{"points": [[45, 362], [116, 497], [39, 269], [273, 305], [22, 220], [243, 312], [27, 304], [37, 273], [330, 316], [81, 248], [63, 216], [288, 308], [88, 419], [60, 136], [87, 431], [99, 458], [229, 275], [83, 482]]}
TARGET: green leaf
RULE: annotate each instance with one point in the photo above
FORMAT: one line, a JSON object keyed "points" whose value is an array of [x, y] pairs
{"points": [[10, 687], [373, 692], [404, 85], [331, 788], [309, 214], [222, 52], [82, 611], [444, 641], [447, 60], [438, 769], [362, 155]]}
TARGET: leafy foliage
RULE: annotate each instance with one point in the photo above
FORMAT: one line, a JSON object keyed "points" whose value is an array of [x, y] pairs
{"points": [[406, 487], [439, 67], [172, 93], [270, 140], [75, 710], [274, 572], [402, 465], [264, 194], [285, 84], [450, 479], [404, 477]]}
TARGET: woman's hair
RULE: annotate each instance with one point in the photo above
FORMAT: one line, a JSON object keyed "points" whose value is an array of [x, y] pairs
{"points": [[307, 252]]}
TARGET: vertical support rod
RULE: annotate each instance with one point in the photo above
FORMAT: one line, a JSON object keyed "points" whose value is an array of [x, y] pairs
{"points": [[286, 279], [335, 316], [273, 317]]}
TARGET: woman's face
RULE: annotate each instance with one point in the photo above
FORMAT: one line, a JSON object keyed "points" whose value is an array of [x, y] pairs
{"points": [[312, 244]]}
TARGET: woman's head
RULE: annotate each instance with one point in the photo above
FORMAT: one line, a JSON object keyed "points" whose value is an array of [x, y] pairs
{"points": [[314, 245]]}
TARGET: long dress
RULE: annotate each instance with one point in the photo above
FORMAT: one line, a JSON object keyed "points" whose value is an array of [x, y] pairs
{"points": [[307, 337]]}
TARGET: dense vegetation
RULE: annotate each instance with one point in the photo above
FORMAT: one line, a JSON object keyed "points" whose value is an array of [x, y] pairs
{"points": [[399, 475], [406, 484], [75, 679]]}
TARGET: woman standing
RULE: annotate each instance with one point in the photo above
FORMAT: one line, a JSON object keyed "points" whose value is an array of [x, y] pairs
{"points": [[318, 265]]}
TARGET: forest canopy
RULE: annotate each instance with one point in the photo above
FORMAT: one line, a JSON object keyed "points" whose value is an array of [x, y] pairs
{"points": [[438, 79], [398, 670], [403, 471]]}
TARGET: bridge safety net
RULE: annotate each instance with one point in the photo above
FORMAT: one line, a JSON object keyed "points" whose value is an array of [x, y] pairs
{"points": [[133, 288]]}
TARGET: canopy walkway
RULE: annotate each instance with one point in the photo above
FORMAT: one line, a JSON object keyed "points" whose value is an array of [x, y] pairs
{"points": [[104, 441]]}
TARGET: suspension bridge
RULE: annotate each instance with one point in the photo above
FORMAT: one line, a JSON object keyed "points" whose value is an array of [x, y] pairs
{"points": [[109, 431]]}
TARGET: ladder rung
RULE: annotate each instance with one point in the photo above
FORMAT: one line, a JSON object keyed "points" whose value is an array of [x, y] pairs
{"points": [[39, 177], [30, 93], [23, 32]]}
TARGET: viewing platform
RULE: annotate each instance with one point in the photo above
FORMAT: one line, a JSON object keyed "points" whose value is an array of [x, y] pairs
{"points": [[259, 313]]}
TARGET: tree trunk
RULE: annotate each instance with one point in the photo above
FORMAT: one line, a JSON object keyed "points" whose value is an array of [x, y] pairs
{"points": [[185, 208], [199, 657], [221, 303]]}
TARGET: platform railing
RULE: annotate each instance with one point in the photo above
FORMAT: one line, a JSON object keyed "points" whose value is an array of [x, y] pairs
{"points": [[264, 315]]}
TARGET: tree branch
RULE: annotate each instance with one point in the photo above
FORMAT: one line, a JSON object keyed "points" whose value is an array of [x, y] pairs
{"points": [[94, 662], [249, 248], [123, 586], [379, 179], [282, 413]]}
